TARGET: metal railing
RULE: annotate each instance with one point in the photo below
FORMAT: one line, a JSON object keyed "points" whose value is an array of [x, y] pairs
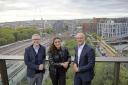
{"points": [[116, 60]]}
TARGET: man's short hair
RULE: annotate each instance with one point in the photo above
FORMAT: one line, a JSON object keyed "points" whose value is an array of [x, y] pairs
{"points": [[35, 35], [81, 34]]}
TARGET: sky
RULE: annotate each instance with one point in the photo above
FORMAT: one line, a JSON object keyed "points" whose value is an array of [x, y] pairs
{"points": [[19, 10]]}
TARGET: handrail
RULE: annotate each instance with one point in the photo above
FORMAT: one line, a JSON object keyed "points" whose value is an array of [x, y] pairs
{"points": [[98, 59], [116, 60]]}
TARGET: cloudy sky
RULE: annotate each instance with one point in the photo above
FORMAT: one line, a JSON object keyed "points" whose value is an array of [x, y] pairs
{"points": [[17, 10]]}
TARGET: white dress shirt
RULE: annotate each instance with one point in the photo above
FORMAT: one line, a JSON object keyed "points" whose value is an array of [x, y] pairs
{"points": [[80, 48], [36, 49]]}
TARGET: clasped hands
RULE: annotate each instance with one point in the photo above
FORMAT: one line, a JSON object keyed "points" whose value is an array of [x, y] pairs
{"points": [[65, 64]]}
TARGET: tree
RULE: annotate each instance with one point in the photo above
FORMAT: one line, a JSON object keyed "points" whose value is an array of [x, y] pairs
{"points": [[9, 35]]}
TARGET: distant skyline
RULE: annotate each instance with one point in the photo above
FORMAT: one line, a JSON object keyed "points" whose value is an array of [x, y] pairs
{"points": [[19, 10]]}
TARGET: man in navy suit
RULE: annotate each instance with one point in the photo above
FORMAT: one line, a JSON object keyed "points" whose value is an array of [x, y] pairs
{"points": [[84, 62], [34, 58]]}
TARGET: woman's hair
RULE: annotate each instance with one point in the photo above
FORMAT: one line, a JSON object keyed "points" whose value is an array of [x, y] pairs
{"points": [[52, 48]]}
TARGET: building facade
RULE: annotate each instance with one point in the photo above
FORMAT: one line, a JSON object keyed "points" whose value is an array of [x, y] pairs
{"points": [[113, 28]]}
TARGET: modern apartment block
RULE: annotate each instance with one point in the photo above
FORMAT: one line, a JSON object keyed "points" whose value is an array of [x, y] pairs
{"points": [[113, 28]]}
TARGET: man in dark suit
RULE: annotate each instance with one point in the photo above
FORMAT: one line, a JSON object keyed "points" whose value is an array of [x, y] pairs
{"points": [[84, 62], [34, 58]]}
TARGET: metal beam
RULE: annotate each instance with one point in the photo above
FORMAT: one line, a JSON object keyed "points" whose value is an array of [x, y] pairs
{"points": [[116, 73], [3, 72]]}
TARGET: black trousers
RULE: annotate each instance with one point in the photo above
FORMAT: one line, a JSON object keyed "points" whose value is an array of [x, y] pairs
{"points": [[59, 78]]}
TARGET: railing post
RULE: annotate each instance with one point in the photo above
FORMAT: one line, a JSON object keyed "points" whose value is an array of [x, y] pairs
{"points": [[3, 72], [116, 73]]}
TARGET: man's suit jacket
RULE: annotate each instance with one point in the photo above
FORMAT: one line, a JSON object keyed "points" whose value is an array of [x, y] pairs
{"points": [[30, 58], [86, 62]]}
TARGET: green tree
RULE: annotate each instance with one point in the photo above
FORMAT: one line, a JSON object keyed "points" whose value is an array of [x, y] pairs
{"points": [[10, 35]]}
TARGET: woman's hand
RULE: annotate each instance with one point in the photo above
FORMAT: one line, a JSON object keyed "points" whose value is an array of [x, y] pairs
{"points": [[65, 64]]}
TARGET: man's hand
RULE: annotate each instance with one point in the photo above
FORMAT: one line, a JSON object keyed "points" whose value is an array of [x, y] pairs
{"points": [[65, 64], [75, 68], [41, 66]]}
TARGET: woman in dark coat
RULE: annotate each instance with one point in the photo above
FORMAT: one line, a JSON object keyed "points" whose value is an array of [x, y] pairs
{"points": [[59, 60]]}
